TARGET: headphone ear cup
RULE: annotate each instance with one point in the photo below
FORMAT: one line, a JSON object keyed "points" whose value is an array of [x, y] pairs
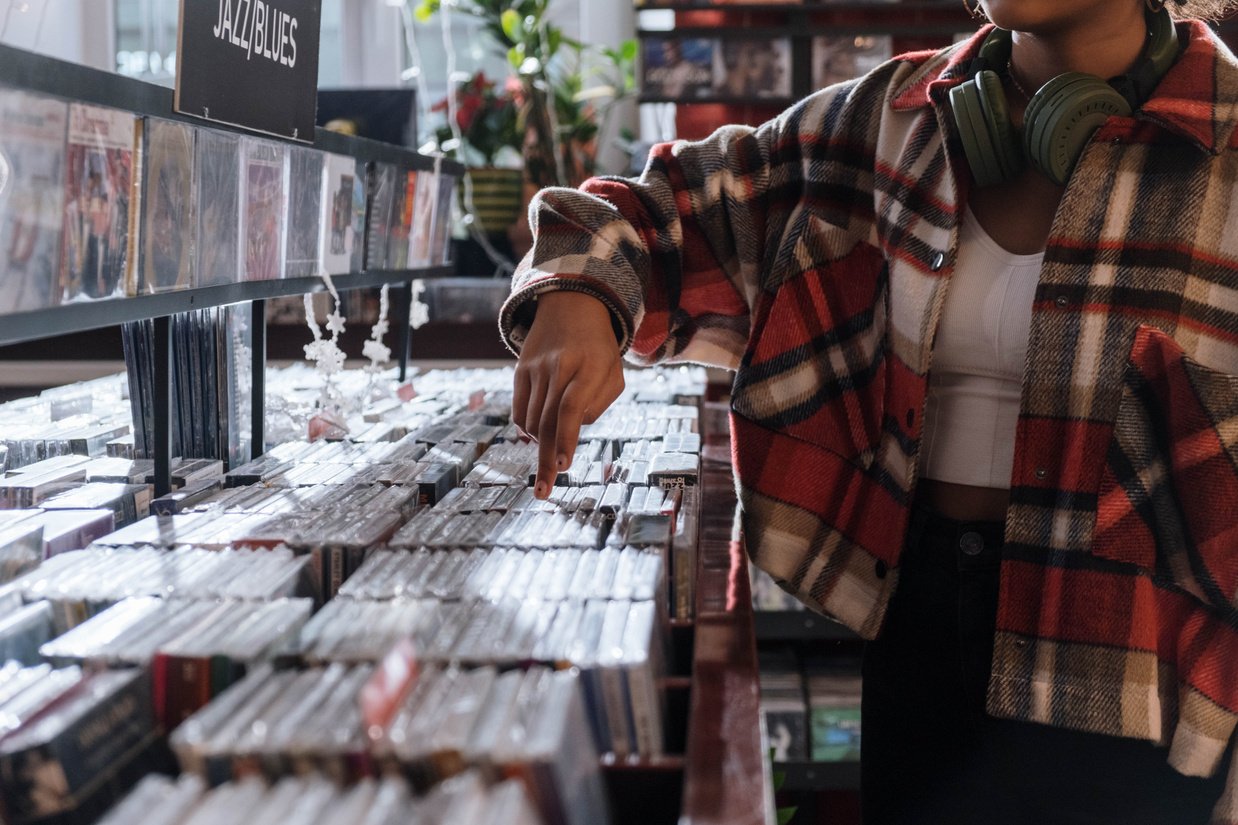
{"points": [[990, 160], [1007, 147], [1061, 118]]}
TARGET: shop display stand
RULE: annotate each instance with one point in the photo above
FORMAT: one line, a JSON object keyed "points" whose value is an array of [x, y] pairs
{"points": [[714, 735], [30, 72]]}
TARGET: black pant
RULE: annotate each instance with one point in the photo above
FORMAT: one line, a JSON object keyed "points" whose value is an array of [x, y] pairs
{"points": [[929, 752]]}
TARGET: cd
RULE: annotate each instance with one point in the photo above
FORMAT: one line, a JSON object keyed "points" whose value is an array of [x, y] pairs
{"points": [[168, 226], [98, 178], [32, 155]]}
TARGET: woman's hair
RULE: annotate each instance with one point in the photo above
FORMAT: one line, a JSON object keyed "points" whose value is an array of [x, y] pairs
{"points": [[1203, 9]]}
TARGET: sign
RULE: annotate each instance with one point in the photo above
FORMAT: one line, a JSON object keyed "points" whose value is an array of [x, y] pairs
{"points": [[250, 63]]}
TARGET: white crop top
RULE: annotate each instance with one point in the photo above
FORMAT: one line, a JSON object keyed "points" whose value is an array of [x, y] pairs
{"points": [[977, 373]]}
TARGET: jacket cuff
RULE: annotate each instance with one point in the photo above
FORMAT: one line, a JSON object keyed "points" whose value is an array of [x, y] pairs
{"points": [[518, 311]]}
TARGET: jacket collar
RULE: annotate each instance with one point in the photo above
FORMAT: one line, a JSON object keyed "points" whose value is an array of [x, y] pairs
{"points": [[1196, 100]]}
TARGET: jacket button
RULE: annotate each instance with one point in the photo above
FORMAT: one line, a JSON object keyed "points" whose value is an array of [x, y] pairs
{"points": [[1042, 473], [971, 543], [1062, 302], [939, 260], [911, 418], [881, 569]]}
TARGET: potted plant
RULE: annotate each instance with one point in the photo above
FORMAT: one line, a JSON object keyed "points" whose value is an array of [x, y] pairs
{"points": [[568, 89], [486, 137]]}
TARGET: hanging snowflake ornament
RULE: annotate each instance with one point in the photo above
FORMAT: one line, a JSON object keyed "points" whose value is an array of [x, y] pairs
{"points": [[374, 348], [419, 311], [325, 352]]}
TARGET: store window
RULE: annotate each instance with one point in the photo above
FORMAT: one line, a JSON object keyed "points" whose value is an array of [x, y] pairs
{"points": [[146, 39]]}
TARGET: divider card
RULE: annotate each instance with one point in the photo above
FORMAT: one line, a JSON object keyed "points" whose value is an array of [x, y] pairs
{"points": [[32, 153], [98, 177]]}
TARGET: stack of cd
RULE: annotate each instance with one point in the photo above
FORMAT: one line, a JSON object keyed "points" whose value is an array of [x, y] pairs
{"points": [[80, 419], [315, 800], [195, 649], [526, 724], [71, 740], [84, 583]]}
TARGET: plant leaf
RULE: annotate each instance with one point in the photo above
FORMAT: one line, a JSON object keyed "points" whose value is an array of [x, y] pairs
{"points": [[510, 22]]}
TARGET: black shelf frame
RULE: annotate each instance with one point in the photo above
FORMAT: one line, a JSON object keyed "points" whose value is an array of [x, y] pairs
{"points": [[806, 776], [799, 625], [24, 70]]}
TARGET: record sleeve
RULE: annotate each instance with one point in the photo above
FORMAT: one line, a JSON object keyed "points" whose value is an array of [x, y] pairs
{"points": [[263, 209], [168, 225], [837, 59], [378, 218], [440, 239], [305, 182], [678, 68], [32, 158], [402, 224], [423, 219], [753, 68], [217, 164], [338, 233], [359, 190], [98, 186]]}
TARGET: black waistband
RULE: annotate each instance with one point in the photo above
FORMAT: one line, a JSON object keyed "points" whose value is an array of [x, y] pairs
{"points": [[965, 544]]}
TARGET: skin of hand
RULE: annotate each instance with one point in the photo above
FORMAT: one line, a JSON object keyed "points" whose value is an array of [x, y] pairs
{"points": [[569, 372]]}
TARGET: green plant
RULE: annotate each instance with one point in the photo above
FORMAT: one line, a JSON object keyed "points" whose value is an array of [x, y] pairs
{"points": [[785, 815], [569, 89], [487, 118]]}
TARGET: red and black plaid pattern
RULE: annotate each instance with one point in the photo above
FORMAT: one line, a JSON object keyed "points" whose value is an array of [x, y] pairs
{"points": [[812, 254]]}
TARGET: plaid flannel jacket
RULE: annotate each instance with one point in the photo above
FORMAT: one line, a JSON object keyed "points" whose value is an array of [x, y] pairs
{"points": [[812, 256]]}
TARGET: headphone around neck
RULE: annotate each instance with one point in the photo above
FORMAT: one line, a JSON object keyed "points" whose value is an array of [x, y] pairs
{"points": [[1060, 118]]}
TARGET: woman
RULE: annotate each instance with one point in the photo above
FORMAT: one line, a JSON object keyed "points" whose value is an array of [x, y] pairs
{"points": [[1038, 532]]}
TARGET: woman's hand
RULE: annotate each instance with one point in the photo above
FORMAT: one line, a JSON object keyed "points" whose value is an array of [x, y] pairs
{"points": [[569, 373]]}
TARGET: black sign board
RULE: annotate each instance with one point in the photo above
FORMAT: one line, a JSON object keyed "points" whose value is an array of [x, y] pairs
{"points": [[250, 63]]}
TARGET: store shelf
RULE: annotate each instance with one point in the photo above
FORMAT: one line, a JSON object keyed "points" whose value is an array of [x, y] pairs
{"points": [[818, 776], [58, 320], [799, 625]]}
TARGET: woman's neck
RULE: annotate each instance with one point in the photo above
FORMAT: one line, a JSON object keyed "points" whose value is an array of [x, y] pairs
{"points": [[1102, 45]]}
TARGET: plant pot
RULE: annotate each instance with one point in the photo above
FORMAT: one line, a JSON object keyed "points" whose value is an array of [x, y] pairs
{"points": [[498, 197]]}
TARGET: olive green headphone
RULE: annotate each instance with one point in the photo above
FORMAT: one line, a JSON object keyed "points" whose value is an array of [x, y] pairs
{"points": [[1060, 118]]}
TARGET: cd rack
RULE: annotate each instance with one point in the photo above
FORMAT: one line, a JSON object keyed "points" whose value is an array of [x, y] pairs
{"points": [[26, 72]]}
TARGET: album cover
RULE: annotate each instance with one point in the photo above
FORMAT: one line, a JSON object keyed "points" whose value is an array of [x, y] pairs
{"points": [[168, 225], [423, 219], [360, 183], [305, 182], [218, 172], [440, 239], [263, 215], [402, 212], [98, 178], [753, 68], [678, 67], [32, 153], [338, 234], [837, 59], [378, 219]]}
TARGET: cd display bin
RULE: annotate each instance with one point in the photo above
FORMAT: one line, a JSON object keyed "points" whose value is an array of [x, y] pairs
{"points": [[25, 72], [714, 772]]}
